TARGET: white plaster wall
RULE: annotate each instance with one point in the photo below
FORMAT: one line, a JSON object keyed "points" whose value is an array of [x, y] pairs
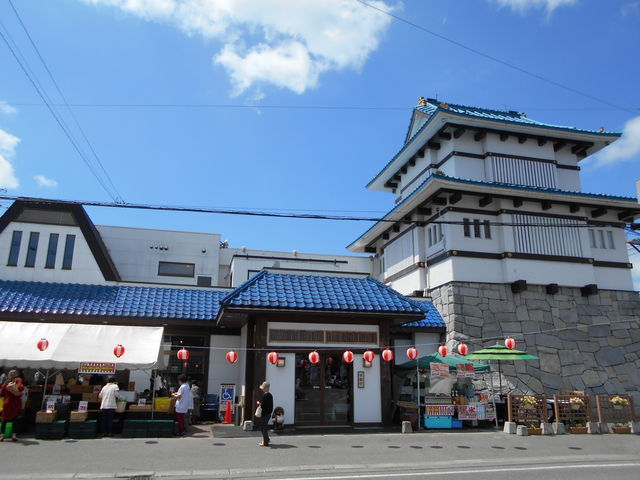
{"points": [[426, 343], [541, 272], [283, 385], [367, 402], [133, 253], [440, 273], [221, 371], [568, 180], [466, 167], [618, 254], [613, 278], [511, 146], [477, 270], [400, 346], [414, 280], [84, 267]]}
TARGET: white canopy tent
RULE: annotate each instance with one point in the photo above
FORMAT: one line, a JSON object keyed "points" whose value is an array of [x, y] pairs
{"points": [[70, 344]]}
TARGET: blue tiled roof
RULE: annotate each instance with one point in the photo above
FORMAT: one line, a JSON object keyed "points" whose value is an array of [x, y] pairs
{"points": [[432, 316], [106, 300], [507, 116], [510, 186], [307, 292]]}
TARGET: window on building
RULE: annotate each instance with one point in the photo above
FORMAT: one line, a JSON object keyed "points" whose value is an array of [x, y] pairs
{"points": [[32, 251], [67, 259], [610, 243], [175, 269], [204, 281], [592, 239], [51, 251], [487, 229], [430, 236], [466, 225], [601, 239], [14, 251], [476, 228], [440, 235]]}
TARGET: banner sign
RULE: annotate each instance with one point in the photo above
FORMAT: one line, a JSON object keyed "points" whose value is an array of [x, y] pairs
{"points": [[97, 368], [439, 410], [465, 370], [227, 394], [439, 369], [142, 402], [485, 411], [83, 406], [467, 412], [51, 403]]}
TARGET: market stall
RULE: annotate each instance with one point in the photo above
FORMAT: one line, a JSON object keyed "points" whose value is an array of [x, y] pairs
{"points": [[443, 386], [87, 351]]}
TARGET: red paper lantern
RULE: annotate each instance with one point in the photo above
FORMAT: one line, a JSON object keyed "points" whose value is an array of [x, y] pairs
{"points": [[43, 344], [232, 356], [329, 361], [442, 350], [303, 363], [183, 354], [314, 357], [412, 353], [118, 351], [463, 349], [347, 356], [387, 354], [273, 357], [510, 343], [369, 356]]}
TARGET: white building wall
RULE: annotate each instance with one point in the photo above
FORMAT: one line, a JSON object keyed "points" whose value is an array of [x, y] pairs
{"points": [[220, 370], [426, 343], [84, 267], [407, 284], [613, 278], [367, 401], [283, 385], [136, 252]]}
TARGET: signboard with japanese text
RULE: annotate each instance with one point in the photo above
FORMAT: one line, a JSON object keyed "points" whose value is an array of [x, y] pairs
{"points": [[439, 369], [83, 406], [465, 370], [485, 411], [439, 410], [227, 394], [97, 368], [467, 412]]}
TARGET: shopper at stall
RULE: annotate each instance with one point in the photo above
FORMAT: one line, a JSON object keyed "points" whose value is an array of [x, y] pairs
{"points": [[265, 408], [183, 399], [11, 392], [108, 395], [195, 394]]}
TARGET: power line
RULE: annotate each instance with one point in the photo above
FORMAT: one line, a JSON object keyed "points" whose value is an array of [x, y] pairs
{"points": [[495, 59], [255, 213], [84, 136], [43, 95]]}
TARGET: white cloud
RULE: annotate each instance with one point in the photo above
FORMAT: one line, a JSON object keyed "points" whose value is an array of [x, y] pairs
{"points": [[286, 43], [524, 5], [8, 144], [635, 273], [45, 182], [6, 108], [630, 9], [624, 149]]}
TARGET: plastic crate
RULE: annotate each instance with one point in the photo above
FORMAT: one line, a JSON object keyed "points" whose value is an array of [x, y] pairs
{"points": [[160, 428], [51, 431], [441, 422], [135, 428], [87, 429]]}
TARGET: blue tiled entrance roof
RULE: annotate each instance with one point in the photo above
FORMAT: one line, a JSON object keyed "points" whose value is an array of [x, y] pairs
{"points": [[106, 300], [432, 316], [307, 292]]}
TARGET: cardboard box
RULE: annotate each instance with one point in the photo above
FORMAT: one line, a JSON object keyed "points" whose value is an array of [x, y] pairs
{"points": [[140, 408], [90, 397], [76, 416], [45, 417]]}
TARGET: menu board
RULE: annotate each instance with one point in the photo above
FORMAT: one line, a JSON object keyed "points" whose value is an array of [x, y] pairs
{"points": [[468, 412], [465, 370], [439, 410], [439, 369]]}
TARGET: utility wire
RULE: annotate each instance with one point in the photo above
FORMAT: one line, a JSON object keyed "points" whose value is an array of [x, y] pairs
{"points": [[43, 95], [255, 213], [84, 136], [495, 59]]}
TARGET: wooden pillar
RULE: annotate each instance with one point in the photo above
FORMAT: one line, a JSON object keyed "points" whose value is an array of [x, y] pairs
{"points": [[259, 357], [386, 379], [509, 409]]}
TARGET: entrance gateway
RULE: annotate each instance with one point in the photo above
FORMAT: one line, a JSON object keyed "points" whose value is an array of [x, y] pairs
{"points": [[323, 392]]}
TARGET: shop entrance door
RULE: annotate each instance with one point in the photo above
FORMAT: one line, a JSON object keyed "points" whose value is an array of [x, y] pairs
{"points": [[323, 391]]}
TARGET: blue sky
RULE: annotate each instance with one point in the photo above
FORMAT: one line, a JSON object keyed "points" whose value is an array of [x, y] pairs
{"points": [[113, 54]]}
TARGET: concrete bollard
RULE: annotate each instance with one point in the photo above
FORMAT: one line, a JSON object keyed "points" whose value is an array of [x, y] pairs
{"points": [[510, 427], [546, 428], [406, 427], [522, 431], [593, 427], [559, 428], [247, 426]]}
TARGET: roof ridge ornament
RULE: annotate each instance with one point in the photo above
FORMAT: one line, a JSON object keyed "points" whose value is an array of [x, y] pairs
{"points": [[422, 102]]}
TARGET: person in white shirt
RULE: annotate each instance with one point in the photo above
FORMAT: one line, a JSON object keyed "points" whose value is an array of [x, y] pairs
{"points": [[108, 396], [183, 399]]}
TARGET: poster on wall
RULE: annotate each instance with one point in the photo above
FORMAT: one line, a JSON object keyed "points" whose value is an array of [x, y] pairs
{"points": [[465, 370], [439, 410], [439, 369], [227, 394], [97, 368], [467, 412]]}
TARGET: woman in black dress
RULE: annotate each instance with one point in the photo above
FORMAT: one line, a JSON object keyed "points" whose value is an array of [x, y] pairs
{"points": [[266, 402]]}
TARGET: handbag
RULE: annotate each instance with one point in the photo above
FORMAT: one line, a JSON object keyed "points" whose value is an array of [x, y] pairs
{"points": [[258, 413]]}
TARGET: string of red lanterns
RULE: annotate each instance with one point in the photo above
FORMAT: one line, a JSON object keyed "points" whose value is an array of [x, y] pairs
{"points": [[412, 353], [442, 350], [118, 351], [510, 343], [463, 349], [368, 356], [387, 355], [232, 356], [183, 354], [43, 344], [347, 356], [273, 358]]}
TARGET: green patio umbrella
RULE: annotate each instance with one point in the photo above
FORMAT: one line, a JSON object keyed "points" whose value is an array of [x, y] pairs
{"points": [[500, 352], [451, 360]]}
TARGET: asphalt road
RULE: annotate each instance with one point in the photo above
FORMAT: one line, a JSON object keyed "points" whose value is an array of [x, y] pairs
{"points": [[450, 455]]}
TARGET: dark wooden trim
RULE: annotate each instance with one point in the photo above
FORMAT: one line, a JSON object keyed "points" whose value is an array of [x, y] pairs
{"points": [[601, 263], [567, 167], [598, 212], [479, 135], [397, 237], [455, 197], [546, 205], [458, 132], [484, 201], [517, 202], [557, 146], [308, 315], [602, 223], [402, 273], [504, 136], [414, 179], [546, 258], [544, 214], [386, 378]]}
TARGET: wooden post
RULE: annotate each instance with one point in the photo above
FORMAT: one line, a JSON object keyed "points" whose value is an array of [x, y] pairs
{"points": [[385, 376], [556, 408], [599, 407], [509, 413]]}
